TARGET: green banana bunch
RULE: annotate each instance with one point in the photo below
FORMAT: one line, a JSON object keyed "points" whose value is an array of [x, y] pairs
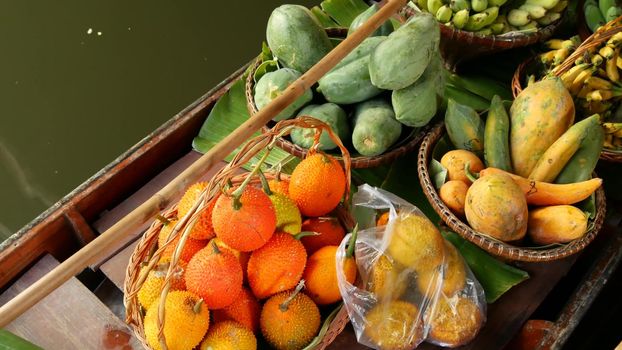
{"points": [[594, 18]]}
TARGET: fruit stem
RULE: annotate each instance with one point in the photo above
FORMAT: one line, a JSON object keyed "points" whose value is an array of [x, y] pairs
{"points": [[279, 168], [352, 243], [299, 235], [467, 171], [197, 306], [264, 183], [285, 305], [163, 220], [238, 192], [215, 248]]}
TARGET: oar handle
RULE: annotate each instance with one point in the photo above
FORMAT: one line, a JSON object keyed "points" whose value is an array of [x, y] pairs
{"points": [[146, 211]]}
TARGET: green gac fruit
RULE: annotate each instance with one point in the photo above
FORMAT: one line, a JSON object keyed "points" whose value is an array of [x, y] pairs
{"points": [[271, 85], [385, 29], [402, 58], [329, 113], [288, 217], [296, 38], [375, 127]]}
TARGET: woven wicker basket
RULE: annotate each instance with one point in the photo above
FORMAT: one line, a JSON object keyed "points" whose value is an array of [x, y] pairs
{"points": [[458, 45], [403, 146], [495, 247], [601, 35], [146, 254]]}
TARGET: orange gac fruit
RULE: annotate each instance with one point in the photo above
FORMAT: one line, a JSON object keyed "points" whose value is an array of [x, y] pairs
{"points": [[289, 320], [279, 186], [216, 276], [152, 287], [245, 225], [320, 275], [241, 256], [244, 310], [277, 266], [317, 185], [186, 320], [202, 228], [329, 229], [229, 335], [191, 247]]}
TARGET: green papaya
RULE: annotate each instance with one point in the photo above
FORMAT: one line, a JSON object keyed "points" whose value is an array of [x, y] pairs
{"points": [[496, 136], [464, 127], [348, 84], [365, 48], [385, 29], [329, 113], [375, 127], [296, 38], [416, 104], [272, 84], [401, 59]]}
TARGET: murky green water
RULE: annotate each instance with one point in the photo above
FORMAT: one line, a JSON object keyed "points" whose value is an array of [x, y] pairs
{"points": [[82, 81]]}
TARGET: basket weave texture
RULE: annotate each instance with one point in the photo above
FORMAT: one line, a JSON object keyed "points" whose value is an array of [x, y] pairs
{"points": [[495, 247], [147, 254], [402, 147], [596, 39]]}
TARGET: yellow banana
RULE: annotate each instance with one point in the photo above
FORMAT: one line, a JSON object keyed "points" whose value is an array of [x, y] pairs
{"points": [[569, 76], [554, 44], [598, 106], [608, 141], [578, 82], [585, 90], [548, 57], [561, 55], [612, 69], [601, 73], [615, 40], [597, 83], [612, 128], [606, 52], [617, 142], [619, 62], [600, 95], [597, 60]]}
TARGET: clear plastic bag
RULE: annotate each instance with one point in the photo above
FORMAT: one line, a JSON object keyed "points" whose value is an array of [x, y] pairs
{"points": [[412, 284]]}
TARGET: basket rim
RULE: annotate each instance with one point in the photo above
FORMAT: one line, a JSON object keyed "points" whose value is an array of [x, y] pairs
{"points": [[494, 247]]}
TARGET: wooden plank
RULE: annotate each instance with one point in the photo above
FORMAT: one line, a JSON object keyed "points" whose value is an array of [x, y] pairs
{"points": [[115, 267], [71, 317]]}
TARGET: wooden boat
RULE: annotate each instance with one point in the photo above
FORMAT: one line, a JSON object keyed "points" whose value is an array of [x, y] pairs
{"points": [[87, 312]]}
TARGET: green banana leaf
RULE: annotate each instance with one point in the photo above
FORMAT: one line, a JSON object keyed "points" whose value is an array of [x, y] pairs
{"points": [[10, 341], [323, 17], [343, 12]]}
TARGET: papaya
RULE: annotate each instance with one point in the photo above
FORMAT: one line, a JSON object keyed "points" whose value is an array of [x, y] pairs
{"points": [[559, 153], [272, 84], [296, 38], [349, 83], [455, 162], [453, 194], [556, 224], [329, 113], [365, 48], [582, 164], [401, 59], [416, 104], [497, 207], [539, 115], [385, 29], [464, 127], [375, 127], [496, 136]]}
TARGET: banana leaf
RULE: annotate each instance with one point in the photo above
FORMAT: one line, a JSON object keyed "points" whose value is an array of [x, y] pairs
{"points": [[323, 17], [343, 12]]}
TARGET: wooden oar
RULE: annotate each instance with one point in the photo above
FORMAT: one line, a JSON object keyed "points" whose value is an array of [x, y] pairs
{"points": [[146, 211]]}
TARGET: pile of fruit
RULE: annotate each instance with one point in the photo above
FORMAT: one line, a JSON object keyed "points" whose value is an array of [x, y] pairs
{"points": [[593, 80], [257, 261], [598, 13], [535, 166], [495, 17], [391, 80]]}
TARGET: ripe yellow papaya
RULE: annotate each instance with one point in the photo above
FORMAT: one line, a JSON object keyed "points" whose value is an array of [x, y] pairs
{"points": [[539, 115], [556, 224], [496, 206]]}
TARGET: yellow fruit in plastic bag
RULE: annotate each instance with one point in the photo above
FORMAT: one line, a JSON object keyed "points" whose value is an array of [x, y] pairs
{"points": [[386, 280], [394, 326], [415, 242], [456, 321], [454, 276]]}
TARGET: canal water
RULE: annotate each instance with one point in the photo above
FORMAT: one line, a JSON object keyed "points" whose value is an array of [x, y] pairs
{"points": [[82, 81]]}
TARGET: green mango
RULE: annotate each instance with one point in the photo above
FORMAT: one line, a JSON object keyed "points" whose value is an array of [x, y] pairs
{"points": [[329, 113], [272, 84], [296, 38], [349, 84], [375, 127], [385, 29]]}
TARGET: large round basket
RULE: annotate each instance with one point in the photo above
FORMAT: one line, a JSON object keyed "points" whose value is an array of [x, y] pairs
{"points": [[147, 253], [601, 35], [458, 46], [495, 247], [406, 144]]}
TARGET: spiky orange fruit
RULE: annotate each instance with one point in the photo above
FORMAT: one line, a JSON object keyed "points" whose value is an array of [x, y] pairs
{"points": [[241, 256], [395, 325], [215, 275], [245, 310], [330, 232], [320, 275], [202, 228], [456, 321], [229, 335], [277, 266], [279, 186], [288, 321], [317, 184], [247, 225], [190, 248], [186, 320], [152, 287]]}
